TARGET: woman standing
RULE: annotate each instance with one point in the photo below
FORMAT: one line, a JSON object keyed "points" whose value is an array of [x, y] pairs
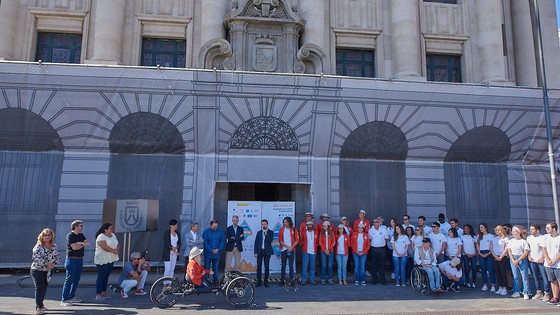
{"points": [[45, 257], [342, 244], [486, 260], [409, 231], [469, 255], [499, 252], [360, 247], [454, 246], [518, 250], [106, 253], [288, 237], [171, 246], [326, 243], [400, 244]]}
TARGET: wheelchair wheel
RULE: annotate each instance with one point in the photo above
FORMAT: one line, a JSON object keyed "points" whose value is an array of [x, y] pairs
{"points": [[165, 295], [240, 292], [416, 279], [223, 278]]}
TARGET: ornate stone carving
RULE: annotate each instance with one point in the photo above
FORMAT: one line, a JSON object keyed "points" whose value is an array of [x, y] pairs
{"points": [[315, 55], [216, 53], [265, 133]]}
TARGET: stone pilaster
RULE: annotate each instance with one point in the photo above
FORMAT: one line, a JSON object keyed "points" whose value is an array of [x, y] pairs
{"points": [[237, 33], [313, 11], [8, 16], [491, 64], [213, 12], [525, 62], [108, 31], [405, 40]]}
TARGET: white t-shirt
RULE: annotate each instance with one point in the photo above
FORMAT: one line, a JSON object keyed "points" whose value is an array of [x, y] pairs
{"points": [[390, 231], [437, 241], [102, 257], [400, 245], [427, 230], [517, 246], [340, 248], [446, 266], [499, 245], [552, 245], [468, 244], [310, 242], [287, 238], [444, 228], [535, 242], [378, 238], [485, 242], [416, 240], [360, 242], [453, 245]]}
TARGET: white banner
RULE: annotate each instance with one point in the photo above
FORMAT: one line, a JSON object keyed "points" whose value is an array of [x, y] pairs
{"points": [[249, 213], [275, 212]]}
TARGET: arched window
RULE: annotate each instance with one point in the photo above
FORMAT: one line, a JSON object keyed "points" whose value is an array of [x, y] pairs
{"points": [[372, 170], [265, 133], [31, 156], [476, 178], [147, 162]]}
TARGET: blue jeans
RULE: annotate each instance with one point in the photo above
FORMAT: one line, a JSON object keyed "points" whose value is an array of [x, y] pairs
{"points": [[73, 268], [341, 262], [433, 277], [522, 270], [327, 265], [537, 269], [212, 264], [487, 267], [308, 263], [400, 268], [360, 267], [103, 273], [469, 268]]}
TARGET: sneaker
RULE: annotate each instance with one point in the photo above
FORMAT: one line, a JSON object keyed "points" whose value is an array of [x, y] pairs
{"points": [[504, 292], [75, 300], [493, 289], [526, 297], [124, 294], [538, 296], [515, 295], [331, 281], [392, 275], [499, 291], [368, 273], [100, 298], [364, 283], [398, 285], [323, 282], [552, 301], [473, 286], [484, 288], [140, 292], [66, 303], [546, 297], [455, 288], [356, 282]]}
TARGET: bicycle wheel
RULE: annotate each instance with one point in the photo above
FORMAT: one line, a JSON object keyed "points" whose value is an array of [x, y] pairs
{"points": [[223, 278], [240, 292], [165, 292]]}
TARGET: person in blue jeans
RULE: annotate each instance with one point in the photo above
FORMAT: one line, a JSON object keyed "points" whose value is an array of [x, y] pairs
{"points": [[518, 250], [485, 257], [309, 242], [75, 243], [400, 243], [214, 242], [536, 263], [360, 247], [327, 240]]}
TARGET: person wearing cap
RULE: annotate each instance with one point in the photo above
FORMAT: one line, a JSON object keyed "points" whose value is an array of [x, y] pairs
{"points": [[134, 274], [327, 240], [361, 219], [452, 273], [341, 249], [325, 217], [303, 225], [309, 243], [195, 271], [518, 250], [289, 240], [360, 247], [263, 251], [347, 229], [378, 240], [425, 259]]}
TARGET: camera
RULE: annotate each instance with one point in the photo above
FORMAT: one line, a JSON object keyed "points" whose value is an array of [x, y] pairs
{"points": [[144, 255]]}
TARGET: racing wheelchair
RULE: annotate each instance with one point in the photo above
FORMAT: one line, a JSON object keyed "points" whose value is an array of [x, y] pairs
{"points": [[238, 290], [420, 282]]}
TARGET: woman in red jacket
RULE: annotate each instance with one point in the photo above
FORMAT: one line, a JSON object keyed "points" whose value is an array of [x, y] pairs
{"points": [[342, 243], [289, 239], [326, 243], [360, 247]]}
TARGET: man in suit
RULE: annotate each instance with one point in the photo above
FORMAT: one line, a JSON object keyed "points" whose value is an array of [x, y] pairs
{"points": [[263, 251], [234, 247], [192, 238]]}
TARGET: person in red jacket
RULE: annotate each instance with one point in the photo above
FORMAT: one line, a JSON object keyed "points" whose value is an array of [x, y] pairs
{"points": [[327, 240], [360, 246], [361, 219], [289, 239], [347, 228], [303, 225], [341, 250], [195, 271], [325, 217], [309, 242]]}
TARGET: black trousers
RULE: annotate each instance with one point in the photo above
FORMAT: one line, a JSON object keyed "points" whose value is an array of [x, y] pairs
{"points": [[290, 259], [41, 284], [378, 264], [262, 256]]}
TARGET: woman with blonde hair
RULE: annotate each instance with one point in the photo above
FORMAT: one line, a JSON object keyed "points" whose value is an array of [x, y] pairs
{"points": [[45, 256], [499, 252], [518, 250]]}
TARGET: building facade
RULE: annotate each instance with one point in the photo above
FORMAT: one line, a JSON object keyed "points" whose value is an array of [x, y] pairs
{"points": [[395, 107]]}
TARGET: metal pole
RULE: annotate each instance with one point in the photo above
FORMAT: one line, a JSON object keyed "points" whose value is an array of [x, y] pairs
{"points": [[537, 22]]}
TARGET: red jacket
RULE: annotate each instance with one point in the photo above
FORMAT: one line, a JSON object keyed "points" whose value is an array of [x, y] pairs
{"points": [[304, 241], [346, 244], [357, 222], [350, 231], [303, 228], [320, 227], [354, 242], [194, 271], [327, 243], [293, 234]]}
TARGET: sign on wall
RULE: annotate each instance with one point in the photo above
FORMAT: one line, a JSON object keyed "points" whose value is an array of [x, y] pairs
{"points": [[137, 215]]}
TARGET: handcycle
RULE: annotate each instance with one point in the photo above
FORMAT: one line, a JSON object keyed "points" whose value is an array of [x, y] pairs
{"points": [[238, 290]]}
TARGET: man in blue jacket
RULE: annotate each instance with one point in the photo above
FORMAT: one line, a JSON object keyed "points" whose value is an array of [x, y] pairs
{"points": [[263, 251], [214, 241]]}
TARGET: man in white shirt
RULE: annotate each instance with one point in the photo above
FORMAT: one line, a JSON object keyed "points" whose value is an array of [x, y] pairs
{"points": [[422, 224], [378, 240], [536, 262], [550, 247], [454, 223], [425, 258], [443, 225], [439, 242], [406, 222]]}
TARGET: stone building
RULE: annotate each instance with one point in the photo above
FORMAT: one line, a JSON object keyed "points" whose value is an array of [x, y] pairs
{"points": [[401, 106]]}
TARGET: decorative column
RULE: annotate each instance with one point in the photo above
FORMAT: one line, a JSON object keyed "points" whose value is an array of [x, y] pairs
{"points": [[237, 34], [525, 62], [405, 40], [551, 49], [491, 64], [108, 31], [313, 11], [212, 26], [8, 15]]}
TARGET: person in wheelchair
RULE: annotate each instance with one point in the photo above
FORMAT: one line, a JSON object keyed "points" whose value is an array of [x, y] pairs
{"points": [[425, 259], [195, 272], [452, 274]]}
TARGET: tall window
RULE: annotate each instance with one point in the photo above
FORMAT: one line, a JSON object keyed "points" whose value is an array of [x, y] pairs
{"points": [[59, 47], [163, 52], [443, 68], [355, 63]]}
